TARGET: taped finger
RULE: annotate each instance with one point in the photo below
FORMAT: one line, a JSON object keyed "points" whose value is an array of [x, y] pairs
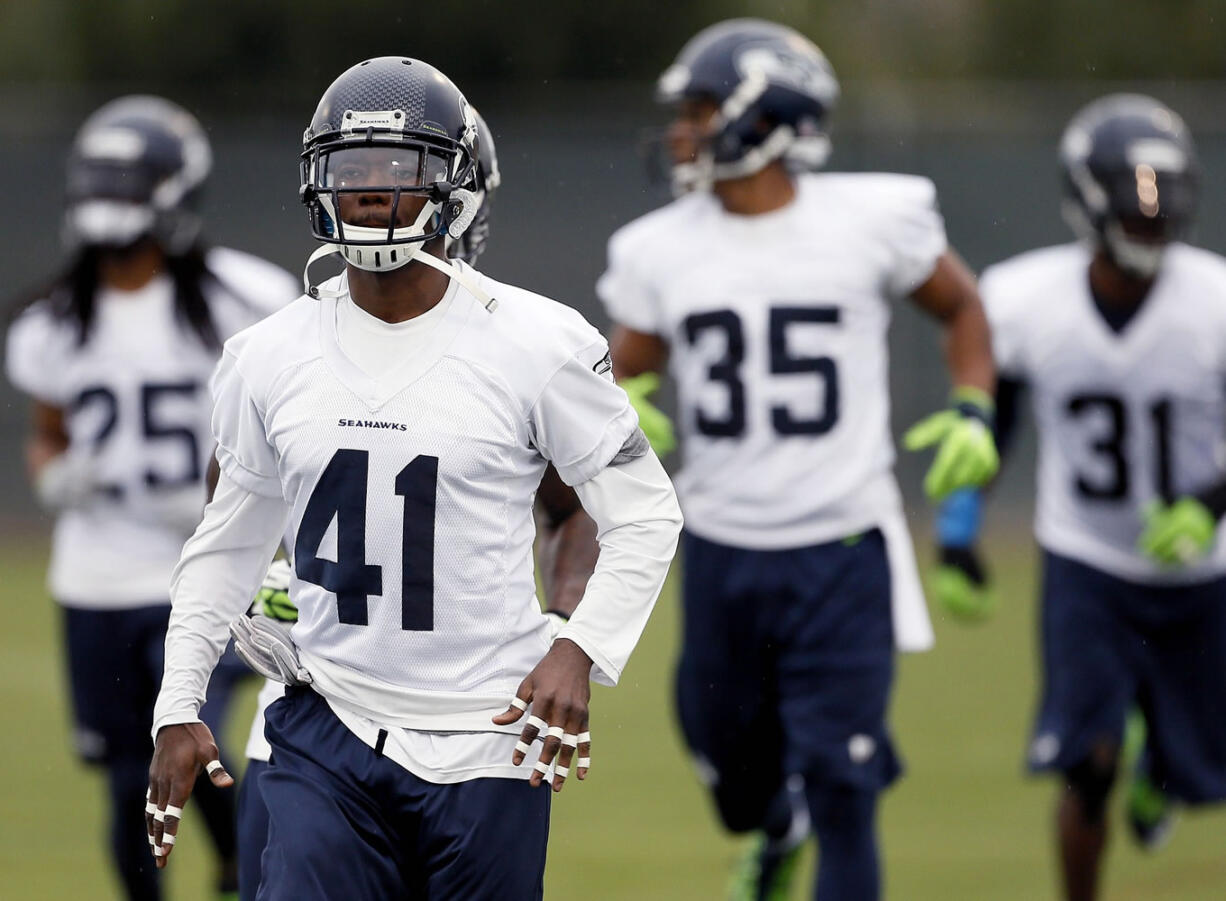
{"points": [[519, 703], [585, 738], [561, 771], [584, 763], [168, 838], [555, 732], [523, 747], [541, 767], [535, 722], [570, 740], [213, 766]]}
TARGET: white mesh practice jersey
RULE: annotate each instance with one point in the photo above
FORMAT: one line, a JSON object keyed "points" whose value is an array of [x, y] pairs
{"points": [[1123, 418], [136, 403], [777, 330], [411, 494]]}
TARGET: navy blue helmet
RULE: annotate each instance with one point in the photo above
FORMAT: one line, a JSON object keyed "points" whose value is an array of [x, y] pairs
{"points": [[774, 90], [398, 127], [469, 245], [136, 170], [1130, 179]]}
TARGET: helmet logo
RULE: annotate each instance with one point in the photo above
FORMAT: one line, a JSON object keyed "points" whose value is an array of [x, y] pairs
{"points": [[790, 70], [352, 121]]}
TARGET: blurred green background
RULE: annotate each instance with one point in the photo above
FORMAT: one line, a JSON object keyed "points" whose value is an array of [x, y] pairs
{"points": [[972, 93]]}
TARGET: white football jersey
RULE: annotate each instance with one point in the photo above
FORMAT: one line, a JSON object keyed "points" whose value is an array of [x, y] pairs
{"points": [[136, 404], [777, 331], [411, 494], [1126, 418]]}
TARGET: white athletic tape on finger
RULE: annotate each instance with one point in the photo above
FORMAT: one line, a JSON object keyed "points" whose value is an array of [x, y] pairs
{"points": [[523, 747], [584, 763], [570, 740], [151, 808], [158, 852], [159, 816], [213, 766], [584, 738], [172, 811], [542, 767], [167, 838], [519, 703], [555, 732], [561, 771], [539, 724], [152, 843]]}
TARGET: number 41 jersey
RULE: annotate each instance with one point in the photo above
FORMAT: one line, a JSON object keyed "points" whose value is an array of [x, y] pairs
{"points": [[411, 494], [1124, 419], [777, 325]]}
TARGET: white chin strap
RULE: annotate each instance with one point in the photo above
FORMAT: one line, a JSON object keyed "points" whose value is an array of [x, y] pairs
{"points": [[1141, 259], [452, 271]]}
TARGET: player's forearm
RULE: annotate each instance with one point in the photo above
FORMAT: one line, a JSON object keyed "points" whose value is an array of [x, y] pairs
{"points": [[568, 556], [638, 522], [968, 347], [220, 569]]}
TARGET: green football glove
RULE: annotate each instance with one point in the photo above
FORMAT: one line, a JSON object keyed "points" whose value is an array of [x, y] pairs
{"points": [[652, 420], [272, 600], [966, 450], [1177, 534], [962, 586]]}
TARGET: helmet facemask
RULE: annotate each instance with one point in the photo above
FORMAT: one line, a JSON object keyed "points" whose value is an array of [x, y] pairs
{"points": [[380, 199]]}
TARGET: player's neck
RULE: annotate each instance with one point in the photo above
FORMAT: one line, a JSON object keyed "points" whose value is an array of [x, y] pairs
{"points": [[131, 268], [402, 293], [765, 191], [1112, 287]]}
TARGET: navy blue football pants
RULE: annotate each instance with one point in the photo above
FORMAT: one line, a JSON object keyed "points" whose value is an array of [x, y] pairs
{"points": [[346, 822], [115, 662], [786, 669]]}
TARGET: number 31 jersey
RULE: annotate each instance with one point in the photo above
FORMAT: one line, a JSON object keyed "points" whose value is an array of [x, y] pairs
{"points": [[136, 408], [777, 328], [411, 494], [1124, 419]]}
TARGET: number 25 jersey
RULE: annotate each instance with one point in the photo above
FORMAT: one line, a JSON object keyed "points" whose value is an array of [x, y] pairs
{"points": [[777, 327], [411, 494], [1124, 419], [136, 408]]}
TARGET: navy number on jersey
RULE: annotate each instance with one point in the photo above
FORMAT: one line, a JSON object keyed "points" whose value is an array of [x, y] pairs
{"points": [[340, 494], [154, 427], [727, 370], [1109, 446]]}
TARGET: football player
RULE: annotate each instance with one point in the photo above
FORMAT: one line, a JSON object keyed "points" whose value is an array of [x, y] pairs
{"points": [[116, 352], [1121, 341], [397, 420], [561, 519], [768, 291]]}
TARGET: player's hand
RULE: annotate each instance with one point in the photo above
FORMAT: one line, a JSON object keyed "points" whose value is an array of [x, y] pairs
{"points": [[966, 450], [1177, 534], [272, 600], [558, 691], [652, 420], [180, 753], [962, 586], [65, 481]]}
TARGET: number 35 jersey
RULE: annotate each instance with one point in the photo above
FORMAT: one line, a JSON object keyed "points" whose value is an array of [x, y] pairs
{"points": [[1124, 419], [411, 494], [777, 327], [136, 408]]}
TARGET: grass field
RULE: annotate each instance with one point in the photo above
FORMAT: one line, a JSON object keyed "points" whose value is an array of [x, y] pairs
{"points": [[963, 824]]}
